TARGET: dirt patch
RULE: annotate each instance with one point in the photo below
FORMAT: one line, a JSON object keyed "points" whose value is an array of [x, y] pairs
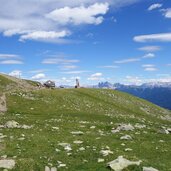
{"points": [[3, 106]]}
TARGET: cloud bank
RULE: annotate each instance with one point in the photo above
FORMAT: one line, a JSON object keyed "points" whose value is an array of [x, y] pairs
{"points": [[51, 20]]}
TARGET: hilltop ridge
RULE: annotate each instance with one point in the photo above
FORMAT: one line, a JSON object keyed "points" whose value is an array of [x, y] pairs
{"points": [[8, 82]]}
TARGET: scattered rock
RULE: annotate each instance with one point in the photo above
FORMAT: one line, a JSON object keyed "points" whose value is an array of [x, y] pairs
{"points": [[161, 141], [165, 130], [139, 126], [121, 163], [26, 127], [47, 168], [128, 149], [21, 139], [53, 169], [57, 150], [100, 160], [149, 169], [78, 142], [62, 165], [50, 169], [126, 137], [14, 124], [123, 127], [92, 127], [81, 149], [106, 152], [7, 164], [11, 124], [77, 133], [66, 146], [55, 128]]}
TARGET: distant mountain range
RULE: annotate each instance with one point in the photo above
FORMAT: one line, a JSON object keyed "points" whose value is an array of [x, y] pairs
{"points": [[156, 92]]}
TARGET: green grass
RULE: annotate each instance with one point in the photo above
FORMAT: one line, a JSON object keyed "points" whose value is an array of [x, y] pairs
{"points": [[68, 109], [4, 82], [33, 83]]}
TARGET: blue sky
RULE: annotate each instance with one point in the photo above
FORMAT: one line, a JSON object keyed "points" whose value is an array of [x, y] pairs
{"points": [[111, 40]]}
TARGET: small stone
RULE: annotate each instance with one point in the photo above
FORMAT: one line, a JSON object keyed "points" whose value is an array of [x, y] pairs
{"points": [[149, 169], [106, 152], [77, 133], [21, 139], [53, 169], [57, 150], [123, 127], [128, 149], [126, 137], [139, 126], [81, 148], [78, 142], [7, 164], [47, 168], [121, 163], [100, 160], [62, 165], [11, 124], [55, 128]]}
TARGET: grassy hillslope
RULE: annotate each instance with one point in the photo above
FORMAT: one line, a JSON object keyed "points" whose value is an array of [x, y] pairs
{"points": [[9, 83], [55, 114], [5, 83]]}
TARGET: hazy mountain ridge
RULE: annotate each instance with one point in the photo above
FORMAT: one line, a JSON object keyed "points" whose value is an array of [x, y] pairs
{"points": [[157, 92]]}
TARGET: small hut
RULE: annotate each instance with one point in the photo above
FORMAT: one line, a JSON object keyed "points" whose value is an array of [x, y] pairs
{"points": [[49, 84]]}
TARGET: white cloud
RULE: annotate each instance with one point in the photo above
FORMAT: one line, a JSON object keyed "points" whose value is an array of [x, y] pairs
{"points": [[150, 69], [128, 60], [98, 74], [57, 60], [11, 62], [74, 72], [155, 6], [150, 48], [162, 37], [149, 55], [134, 80], [68, 67], [38, 76], [96, 77], [37, 71], [7, 56], [80, 15], [44, 35], [148, 66], [109, 66], [11, 59], [16, 73], [131, 60], [167, 12], [28, 18]]}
